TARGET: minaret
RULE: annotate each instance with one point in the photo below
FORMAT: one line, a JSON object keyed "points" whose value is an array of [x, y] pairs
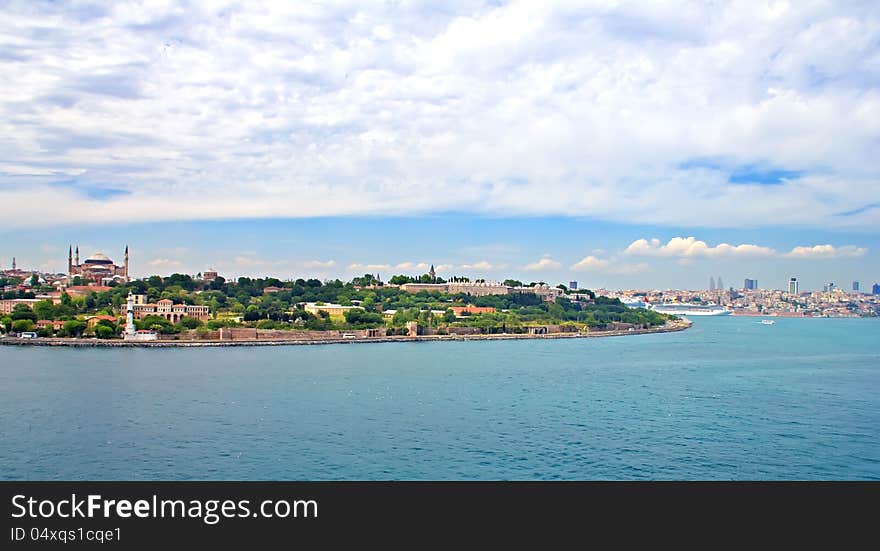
{"points": [[126, 264], [13, 263], [432, 274], [69, 264], [76, 260]]}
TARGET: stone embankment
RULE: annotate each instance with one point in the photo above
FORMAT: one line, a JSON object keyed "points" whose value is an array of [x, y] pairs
{"points": [[113, 343]]}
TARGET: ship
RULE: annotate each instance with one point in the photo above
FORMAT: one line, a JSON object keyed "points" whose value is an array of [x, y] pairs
{"points": [[678, 309]]}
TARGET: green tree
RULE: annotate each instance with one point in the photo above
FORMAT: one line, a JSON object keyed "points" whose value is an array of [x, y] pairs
{"points": [[23, 312], [22, 325], [44, 310], [449, 316], [104, 332], [187, 322], [74, 328]]}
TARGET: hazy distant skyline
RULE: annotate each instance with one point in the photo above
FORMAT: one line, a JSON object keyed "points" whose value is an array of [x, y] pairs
{"points": [[617, 144], [556, 250]]}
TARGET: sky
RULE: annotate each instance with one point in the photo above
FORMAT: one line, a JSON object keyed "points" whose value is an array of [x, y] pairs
{"points": [[619, 144]]}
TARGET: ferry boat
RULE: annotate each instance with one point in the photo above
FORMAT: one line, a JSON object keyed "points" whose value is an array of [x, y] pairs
{"points": [[678, 309], [767, 322]]}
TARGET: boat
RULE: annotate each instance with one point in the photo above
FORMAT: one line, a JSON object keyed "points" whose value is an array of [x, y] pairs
{"points": [[678, 309], [767, 322]]}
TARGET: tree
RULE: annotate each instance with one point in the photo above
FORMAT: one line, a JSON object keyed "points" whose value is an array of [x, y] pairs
{"points": [[22, 325], [449, 316], [361, 318], [104, 331], [35, 280], [44, 310], [74, 328], [23, 312], [513, 283], [187, 322]]}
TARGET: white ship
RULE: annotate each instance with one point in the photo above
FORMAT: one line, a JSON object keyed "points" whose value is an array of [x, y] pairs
{"points": [[679, 309]]}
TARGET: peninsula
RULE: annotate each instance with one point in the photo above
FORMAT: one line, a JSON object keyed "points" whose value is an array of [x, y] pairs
{"points": [[185, 310]]}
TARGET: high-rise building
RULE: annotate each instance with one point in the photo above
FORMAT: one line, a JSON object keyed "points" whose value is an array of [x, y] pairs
{"points": [[711, 283], [876, 289], [573, 285], [793, 287], [750, 284], [856, 286], [720, 284]]}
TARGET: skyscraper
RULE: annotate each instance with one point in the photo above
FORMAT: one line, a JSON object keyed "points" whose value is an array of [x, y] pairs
{"points": [[750, 284], [793, 288], [720, 284], [876, 289], [573, 285], [711, 283], [856, 286]]}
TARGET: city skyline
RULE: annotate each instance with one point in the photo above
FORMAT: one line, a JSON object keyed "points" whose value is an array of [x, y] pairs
{"points": [[678, 263]]}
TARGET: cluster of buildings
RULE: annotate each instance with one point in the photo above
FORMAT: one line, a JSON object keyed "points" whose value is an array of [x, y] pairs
{"points": [[750, 300], [482, 289]]}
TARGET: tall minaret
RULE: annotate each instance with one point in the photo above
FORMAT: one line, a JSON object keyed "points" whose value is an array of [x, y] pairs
{"points": [[76, 263], [13, 263], [69, 264], [126, 264]]}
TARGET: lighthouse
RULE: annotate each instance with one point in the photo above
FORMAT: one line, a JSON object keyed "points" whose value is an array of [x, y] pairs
{"points": [[129, 315]]}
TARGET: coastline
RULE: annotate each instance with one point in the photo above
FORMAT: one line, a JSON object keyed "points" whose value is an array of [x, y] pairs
{"points": [[670, 327]]}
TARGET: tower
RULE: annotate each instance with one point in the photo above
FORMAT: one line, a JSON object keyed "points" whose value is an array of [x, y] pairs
{"points": [[793, 286], [720, 284], [432, 274], [711, 283], [129, 315], [76, 260], [126, 264], [13, 263]]}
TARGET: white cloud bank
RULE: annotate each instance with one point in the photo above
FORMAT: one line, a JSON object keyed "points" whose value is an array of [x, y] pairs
{"points": [[544, 264], [690, 248], [627, 112]]}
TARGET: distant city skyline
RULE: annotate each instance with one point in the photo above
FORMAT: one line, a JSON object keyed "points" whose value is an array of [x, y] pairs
{"points": [[342, 248]]}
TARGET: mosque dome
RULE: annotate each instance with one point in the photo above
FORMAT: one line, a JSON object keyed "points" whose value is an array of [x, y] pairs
{"points": [[98, 258]]}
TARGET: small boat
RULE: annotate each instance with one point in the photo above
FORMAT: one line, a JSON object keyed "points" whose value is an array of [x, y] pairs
{"points": [[767, 322]]}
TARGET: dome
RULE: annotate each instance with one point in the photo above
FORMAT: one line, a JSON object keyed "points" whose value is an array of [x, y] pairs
{"points": [[98, 258]]}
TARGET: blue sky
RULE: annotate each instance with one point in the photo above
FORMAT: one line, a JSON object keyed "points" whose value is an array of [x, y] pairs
{"points": [[619, 144]]}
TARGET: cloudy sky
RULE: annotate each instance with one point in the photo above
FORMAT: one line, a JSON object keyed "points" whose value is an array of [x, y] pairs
{"points": [[618, 144]]}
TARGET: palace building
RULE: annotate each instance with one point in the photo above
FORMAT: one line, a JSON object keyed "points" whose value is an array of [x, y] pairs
{"points": [[97, 268]]}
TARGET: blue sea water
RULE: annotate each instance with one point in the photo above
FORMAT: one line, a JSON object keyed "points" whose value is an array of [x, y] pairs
{"points": [[727, 399]]}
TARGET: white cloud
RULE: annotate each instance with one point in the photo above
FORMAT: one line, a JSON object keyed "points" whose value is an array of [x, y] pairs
{"points": [[481, 265], [686, 249], [420, 267], [827, 251], [297, 109], [543, 264], [591, 263], [690, 247], [163, 263]]}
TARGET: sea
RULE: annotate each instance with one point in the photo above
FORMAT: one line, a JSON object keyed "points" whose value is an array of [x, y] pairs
{"points": [[728, 399]]}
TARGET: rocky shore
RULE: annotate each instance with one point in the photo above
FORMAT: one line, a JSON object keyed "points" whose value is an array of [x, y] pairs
{"points": [[115, 343]]}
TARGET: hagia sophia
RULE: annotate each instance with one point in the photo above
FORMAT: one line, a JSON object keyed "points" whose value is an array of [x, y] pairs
{"points": [[97, 268]]}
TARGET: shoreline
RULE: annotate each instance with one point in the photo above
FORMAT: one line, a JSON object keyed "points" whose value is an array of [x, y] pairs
{"points": [[115, 343]]}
